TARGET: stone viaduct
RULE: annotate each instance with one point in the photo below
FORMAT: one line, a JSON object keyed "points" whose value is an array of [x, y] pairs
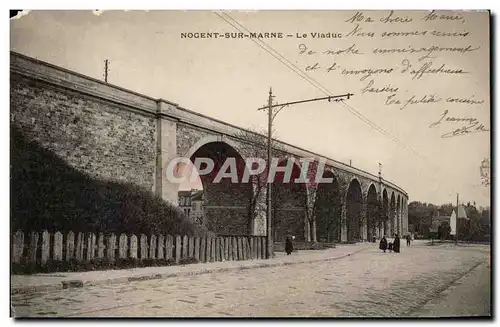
{"points": [[111, 133]]}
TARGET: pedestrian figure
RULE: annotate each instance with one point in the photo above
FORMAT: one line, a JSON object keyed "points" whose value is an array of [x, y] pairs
{"points": [[288, 245], [408, 240], [396, 244], [383, 244], [389, 247]]}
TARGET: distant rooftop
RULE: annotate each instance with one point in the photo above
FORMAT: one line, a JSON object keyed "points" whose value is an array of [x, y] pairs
{"points": [[193, 194]]}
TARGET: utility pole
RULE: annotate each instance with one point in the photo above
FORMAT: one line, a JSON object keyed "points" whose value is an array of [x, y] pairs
{"points": [[106, 68], [456, 224], [271, 115], [381, 220], [270, 245], [430, 229]]}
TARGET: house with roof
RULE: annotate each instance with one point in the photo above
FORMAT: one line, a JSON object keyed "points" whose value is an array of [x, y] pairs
{"points": [[462, 214], [450, 220], [438, 220], [191, 202]]}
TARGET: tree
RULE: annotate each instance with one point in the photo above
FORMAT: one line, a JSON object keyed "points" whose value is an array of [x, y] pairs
{"points": [[446, 209], [485, 171], [420, 214], [253, 144], [477, 227], [311, 204]]}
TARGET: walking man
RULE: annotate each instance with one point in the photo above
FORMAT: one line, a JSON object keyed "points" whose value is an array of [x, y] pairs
{"points": [[408, 240]]}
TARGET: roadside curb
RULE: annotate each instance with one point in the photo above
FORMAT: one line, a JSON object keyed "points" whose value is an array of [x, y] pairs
{"points": [[75, 283]]}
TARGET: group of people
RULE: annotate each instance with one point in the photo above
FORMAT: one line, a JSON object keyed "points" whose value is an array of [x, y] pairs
{"points": [[394, 245], [384, 244]]}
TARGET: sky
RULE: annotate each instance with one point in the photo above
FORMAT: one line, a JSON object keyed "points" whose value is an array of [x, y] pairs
{"points": [[229, 78]]}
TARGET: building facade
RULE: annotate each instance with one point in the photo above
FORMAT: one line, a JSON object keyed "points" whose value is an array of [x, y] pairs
{"points": [[191, 202]]}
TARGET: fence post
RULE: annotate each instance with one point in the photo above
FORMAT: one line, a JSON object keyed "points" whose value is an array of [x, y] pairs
{"points": [[216, 249], [79, 247], [18, 247], [240, 248], [226, 248], [244, 247], [90, 246], [169, 244], [229, 241], [203, 248], [185, 241], [110, 253], [143, 247], [152, 247], [264, 247], [133, 246], [45, 247], [255, 241], [100, 246], [209, 248], [248, 248], [259, 246], [122, 246], [197, 248], [234, 242], [33, 247], [161, 247], [70, 246], [220, 248], [191, 247], [178, 247], [252, 248], [212, 254]]}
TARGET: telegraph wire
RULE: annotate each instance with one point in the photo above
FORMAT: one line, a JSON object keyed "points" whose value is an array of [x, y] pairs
{"points": [[254, 41], [322, 88], [317, 84]]}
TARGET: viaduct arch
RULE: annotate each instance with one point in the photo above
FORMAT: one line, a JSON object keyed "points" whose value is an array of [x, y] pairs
{"points": [[118, 135]]}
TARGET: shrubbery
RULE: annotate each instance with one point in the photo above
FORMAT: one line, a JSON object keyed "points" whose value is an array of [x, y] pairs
{"points": [[48, 194]]}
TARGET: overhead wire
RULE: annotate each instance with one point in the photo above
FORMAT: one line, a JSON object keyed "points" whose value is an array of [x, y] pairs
{"points": [[314, 82], [298, 71]]}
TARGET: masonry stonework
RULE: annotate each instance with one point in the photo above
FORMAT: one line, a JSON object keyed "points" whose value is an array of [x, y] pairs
{"points": [[98, 138], [115, 134]]}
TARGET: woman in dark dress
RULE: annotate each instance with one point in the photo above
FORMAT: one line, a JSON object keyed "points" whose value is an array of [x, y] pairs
{"points": [[396, 244], [288, 245], [383, 244]]}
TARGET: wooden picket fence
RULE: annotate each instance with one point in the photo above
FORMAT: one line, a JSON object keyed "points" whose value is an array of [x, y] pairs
{"points": [[39, 248]]}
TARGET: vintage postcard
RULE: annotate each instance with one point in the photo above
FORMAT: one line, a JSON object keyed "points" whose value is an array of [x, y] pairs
{"points": [[230, 163]]}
